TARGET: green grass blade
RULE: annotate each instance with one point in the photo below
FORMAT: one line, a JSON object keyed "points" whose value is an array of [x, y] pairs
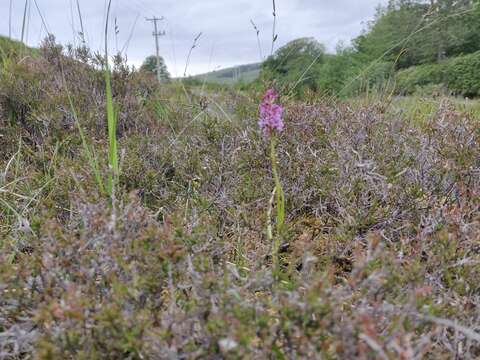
{"points": [[111, 117], [92, 159], [112, 133]]}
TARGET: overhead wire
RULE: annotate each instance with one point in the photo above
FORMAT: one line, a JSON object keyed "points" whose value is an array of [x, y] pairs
{"points": [[127, 43]]}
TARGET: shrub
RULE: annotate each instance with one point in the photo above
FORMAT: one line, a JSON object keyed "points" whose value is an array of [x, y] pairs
{"points": [[410, 79], [459, 75], [462, 75], [336, 71], [295, 66]]}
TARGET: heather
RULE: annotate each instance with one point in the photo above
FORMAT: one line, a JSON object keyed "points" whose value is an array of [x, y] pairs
{"points": [[377, 257]]}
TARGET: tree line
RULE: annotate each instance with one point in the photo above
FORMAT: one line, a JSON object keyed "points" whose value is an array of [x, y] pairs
{"points": [[409, 45]]}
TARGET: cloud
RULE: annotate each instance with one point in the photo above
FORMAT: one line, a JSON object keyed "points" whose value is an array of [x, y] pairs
{"points": [[228, 37]]}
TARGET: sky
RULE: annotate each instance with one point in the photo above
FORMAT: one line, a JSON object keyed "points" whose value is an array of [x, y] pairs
{"points": [[228, 38]]}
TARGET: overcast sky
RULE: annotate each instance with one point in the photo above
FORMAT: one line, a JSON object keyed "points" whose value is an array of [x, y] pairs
{"points": [[228, 37]]}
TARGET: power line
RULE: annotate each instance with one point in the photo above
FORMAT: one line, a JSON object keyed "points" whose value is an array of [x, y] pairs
{"points": [[127, 43], [135, 6], [143, 6]]}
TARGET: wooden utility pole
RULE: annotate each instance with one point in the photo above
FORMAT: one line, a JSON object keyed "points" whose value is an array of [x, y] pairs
{"points": [[157, 34]]}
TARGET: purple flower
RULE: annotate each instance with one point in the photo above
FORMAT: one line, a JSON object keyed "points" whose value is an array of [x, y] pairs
{"points": [[270, 114]]}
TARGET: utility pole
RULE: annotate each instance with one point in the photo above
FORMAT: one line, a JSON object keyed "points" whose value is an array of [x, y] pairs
{"points": [[157, 34]]}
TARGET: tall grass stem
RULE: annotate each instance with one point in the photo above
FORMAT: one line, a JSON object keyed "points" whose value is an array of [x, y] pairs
{"points": [[111, 117]]}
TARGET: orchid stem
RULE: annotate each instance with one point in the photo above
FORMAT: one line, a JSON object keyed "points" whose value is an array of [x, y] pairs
{"points": [[280, 208]]}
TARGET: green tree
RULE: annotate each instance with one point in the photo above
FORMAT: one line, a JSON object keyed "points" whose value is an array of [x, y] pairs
{"points": [[413, 32], [391, 34], [337, 70], [455, 28], [298, 62], [150, 66]]}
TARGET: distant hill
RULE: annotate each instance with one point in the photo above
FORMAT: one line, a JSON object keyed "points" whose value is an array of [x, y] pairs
{"points": [[231, 76]]}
